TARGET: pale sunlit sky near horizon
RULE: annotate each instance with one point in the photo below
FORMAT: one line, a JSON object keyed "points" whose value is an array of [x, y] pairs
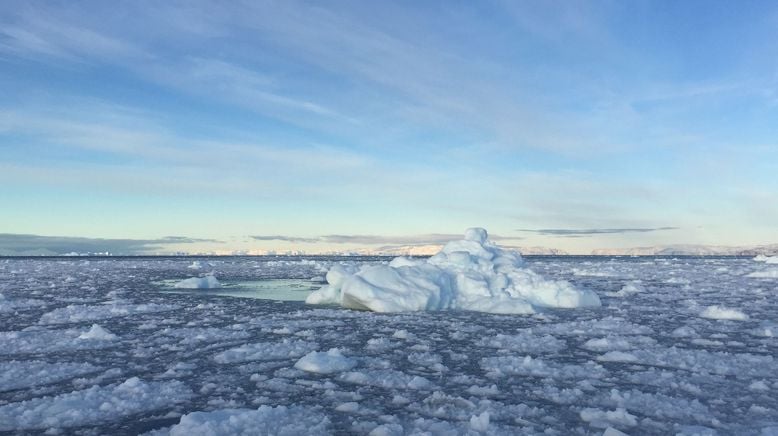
{"points": [[335, 125]]}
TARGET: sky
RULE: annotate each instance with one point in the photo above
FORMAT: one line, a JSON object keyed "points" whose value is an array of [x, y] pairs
{"points": [[144, 126]]}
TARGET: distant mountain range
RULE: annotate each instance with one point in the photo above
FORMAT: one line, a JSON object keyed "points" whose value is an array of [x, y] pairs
{"points": [[659, 250], [690, 250], [428, 250]]}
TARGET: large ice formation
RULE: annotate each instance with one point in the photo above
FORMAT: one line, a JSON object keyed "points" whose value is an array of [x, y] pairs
{"points": [[471, 274]]}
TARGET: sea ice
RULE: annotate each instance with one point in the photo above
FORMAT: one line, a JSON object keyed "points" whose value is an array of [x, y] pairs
{"points": [[97, 332], [719, 312], [325, 362], [13, 304], [48, 341], [471, 274], [91, 405], [215, 364], [265, 351], [770, 273], [80, 313], [16, 374], [269, 421], [205, 282]]}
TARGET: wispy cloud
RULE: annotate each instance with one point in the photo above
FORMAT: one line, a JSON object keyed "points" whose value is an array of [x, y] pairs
{"points": [[20, 244], [282, 238], [591, 232], [35, 33]]}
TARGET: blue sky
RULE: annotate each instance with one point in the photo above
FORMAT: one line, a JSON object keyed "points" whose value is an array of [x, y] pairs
{"points": [[567, 124]]}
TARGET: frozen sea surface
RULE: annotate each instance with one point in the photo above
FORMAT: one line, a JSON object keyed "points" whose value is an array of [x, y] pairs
{"points": [[107, 346]]}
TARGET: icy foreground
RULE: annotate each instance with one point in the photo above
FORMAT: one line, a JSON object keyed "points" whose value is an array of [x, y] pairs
{"points": [[679, 346], [471, 274]]}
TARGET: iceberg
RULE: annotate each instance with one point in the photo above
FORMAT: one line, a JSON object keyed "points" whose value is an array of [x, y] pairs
{"points": [[766, 259], [469, 274]]}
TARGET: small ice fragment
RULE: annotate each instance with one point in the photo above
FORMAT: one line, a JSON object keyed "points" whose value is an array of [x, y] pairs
{"points": [[349, 407], [610, 431], [99, 333], [325, 362], [480, 423], [720, 312], [206, 282]]}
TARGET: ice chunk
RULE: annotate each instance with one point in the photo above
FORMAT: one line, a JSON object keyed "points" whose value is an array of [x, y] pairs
{"points": [[265, 351], [280, 420], [198, 265], [617, 356], [627, 290], [480, 423], [771, 273], [720, 312], [386, 378], [205, 282], [471, 274], [766, 259], [610, 431], [97, 332], [325, 362], [605, 418]]}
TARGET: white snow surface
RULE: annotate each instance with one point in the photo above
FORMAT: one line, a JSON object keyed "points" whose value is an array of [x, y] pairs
{"points": [[471, 274]]}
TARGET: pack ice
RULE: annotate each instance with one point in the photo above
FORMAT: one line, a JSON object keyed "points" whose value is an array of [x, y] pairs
{"points": [[470, 274]]}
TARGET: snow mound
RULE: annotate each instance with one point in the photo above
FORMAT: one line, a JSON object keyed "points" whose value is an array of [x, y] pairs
{"points": [[720, 312], [266, 420], [325, 362], [471, 274], [206, 282]]}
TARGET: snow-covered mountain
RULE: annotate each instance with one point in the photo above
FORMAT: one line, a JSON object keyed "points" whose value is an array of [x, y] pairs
{"points": [[429, 250], [690, 250]]}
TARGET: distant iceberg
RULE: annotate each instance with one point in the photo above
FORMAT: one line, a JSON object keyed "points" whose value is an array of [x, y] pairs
{"points": [[470, 274], [766, 259]]}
